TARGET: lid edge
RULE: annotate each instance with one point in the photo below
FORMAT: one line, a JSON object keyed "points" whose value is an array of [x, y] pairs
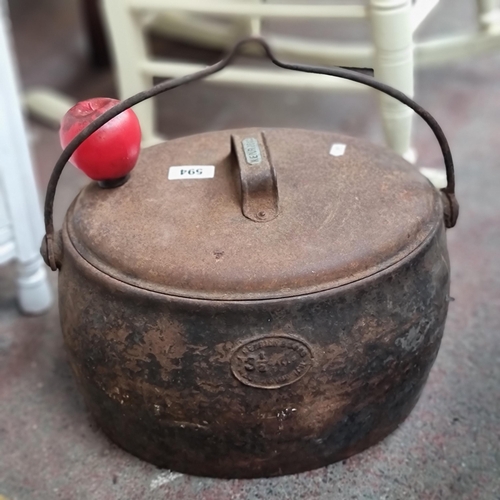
{"points": [[249, 296]]}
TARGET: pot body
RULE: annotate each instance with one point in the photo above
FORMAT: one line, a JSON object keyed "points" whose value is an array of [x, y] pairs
{"points": [[254, 388]]}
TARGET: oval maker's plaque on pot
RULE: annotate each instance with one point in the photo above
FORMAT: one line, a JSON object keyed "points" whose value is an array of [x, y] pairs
{"points": [[271, 362]]}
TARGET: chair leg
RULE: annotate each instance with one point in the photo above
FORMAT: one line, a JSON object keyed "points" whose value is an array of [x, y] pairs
{"points": [[485, 9], [19, 189], [393, 41], [47, 105], [33, 289], [129, 52]]}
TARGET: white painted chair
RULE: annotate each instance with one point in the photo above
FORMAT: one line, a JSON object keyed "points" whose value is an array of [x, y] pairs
{"points": [[393, 53], [219, 23], [21, 227]]}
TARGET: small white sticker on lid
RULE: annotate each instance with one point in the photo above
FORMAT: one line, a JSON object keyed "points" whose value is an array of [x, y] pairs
{"points": [[191, 172], [337, 149]]}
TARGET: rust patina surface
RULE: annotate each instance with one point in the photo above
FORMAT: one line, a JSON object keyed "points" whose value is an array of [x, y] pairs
{"points": [[212, 344], [341, 219], [254, 388]]}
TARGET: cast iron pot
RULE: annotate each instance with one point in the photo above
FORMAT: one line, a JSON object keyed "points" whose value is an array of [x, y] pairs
{"points": [[254, 302]]}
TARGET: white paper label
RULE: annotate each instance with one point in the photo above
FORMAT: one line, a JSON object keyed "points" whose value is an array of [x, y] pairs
{"points": [[191, 172], [337, 149]]}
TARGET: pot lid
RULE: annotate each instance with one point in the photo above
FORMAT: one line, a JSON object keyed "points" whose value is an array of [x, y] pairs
{"points": [[255, 214]]}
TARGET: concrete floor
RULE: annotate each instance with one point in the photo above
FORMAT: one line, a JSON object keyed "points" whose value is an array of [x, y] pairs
{"points": [[447, 449]]}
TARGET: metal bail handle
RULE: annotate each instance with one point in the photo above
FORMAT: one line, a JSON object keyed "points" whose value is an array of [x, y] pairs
{"points": [[51, 248]]}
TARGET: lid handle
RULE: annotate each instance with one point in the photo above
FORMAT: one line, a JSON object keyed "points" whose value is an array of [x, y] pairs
{"points": [[49, 248], [259, 187]]}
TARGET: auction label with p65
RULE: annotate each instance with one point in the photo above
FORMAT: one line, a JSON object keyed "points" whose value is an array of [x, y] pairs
{"points": [[191, 172]]}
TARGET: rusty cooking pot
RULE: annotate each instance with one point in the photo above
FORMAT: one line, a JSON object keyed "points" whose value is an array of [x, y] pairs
{"points": [[278, 314]]}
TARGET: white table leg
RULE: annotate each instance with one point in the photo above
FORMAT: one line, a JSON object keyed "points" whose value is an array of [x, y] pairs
{"points": [[18, 185], [7, 246]]}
